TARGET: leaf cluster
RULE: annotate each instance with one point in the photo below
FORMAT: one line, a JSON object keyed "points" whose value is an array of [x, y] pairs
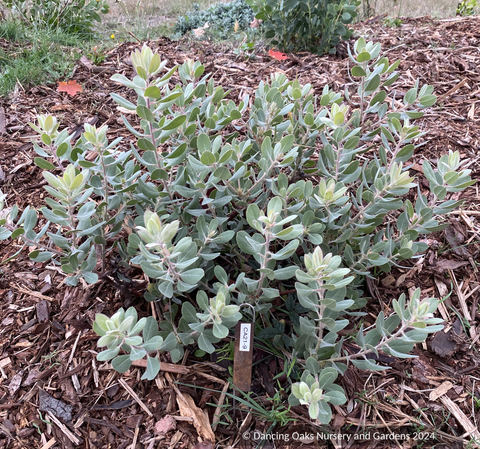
{"points": [[122, 332]]}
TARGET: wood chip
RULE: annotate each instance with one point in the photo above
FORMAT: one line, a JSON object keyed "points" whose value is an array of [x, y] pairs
{"points": [[65, 430], [449, 264], [188, 408], [471, 112], [175, 439], [165, 425], [463, 305], [4, 362], [440, 390], [49, 444], [203, 445], [43, 314], [210, 377], [461, 417], [2, 120], [86, 62], [452, 90], [135, 396], [167, 367], [218, 410], [135, 436], [443, 292], [15, 383], [95, 373], [73, 350], [32, 293]]}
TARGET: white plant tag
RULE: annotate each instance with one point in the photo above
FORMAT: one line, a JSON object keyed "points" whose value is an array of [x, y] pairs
{"points": [[245, 331]]}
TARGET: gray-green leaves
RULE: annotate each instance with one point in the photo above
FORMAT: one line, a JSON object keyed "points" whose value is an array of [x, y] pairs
{"points": [[154, 234], [316, 390], [446, 178], [212, 324], [396, 335], [122, 332], [278, 201]]}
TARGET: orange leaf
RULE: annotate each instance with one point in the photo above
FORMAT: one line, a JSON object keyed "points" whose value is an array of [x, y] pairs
{"points": [[70, 87], [278, 55]]}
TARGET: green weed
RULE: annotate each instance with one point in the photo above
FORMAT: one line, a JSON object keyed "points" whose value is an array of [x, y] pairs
{"points": [[36, 56], [393, 22]]}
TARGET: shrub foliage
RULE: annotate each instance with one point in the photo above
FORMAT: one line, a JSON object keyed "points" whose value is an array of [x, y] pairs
{"points": [[285, 201], [221, 18], [313, 25]]}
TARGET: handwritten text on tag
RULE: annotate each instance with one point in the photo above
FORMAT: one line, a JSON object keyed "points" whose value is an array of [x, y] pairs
{"points": [[245, 330]]}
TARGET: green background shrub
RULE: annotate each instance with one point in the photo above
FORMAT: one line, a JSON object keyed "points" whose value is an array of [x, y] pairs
{"points": [[313, 25]]}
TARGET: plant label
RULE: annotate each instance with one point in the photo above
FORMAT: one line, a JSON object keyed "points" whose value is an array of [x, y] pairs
{"points": [[242, 361]]}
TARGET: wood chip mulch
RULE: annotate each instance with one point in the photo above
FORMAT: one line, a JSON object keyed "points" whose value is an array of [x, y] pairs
{"points": [[53, 392]]}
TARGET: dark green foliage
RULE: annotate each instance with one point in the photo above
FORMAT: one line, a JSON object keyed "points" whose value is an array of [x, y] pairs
{"points": [[313, 25], [221, 18]]}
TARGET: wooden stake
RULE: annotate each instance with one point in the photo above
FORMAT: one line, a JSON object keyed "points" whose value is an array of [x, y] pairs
{"points": [[243, 358]]}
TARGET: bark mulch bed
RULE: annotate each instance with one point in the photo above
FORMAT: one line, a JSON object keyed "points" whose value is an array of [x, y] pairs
{"points": [[53, 393]]}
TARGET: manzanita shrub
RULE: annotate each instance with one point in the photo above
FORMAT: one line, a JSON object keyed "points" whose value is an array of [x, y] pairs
{"points": [[285, 201], [317, 26]]}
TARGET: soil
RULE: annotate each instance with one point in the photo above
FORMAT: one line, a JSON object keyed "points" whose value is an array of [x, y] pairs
{"points": [[53, 392]]}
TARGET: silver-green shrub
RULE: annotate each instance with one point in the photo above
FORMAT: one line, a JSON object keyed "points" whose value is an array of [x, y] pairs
{"points": [[226, 204]]}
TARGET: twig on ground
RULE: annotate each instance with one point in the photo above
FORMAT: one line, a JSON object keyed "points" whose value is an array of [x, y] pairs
{"points": [[135, 396]]}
